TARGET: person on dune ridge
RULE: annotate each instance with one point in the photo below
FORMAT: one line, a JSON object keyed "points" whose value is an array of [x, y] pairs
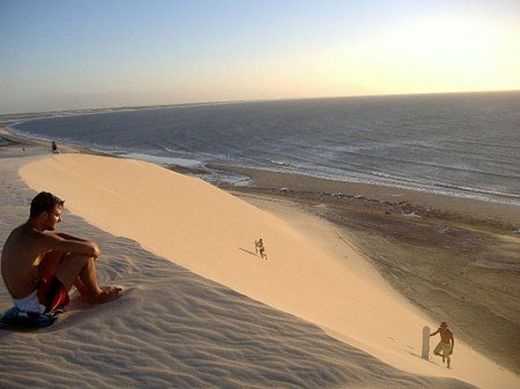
{"points": [[40, 266]]}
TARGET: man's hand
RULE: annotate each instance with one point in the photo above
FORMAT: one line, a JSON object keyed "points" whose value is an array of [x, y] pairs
{"points": [[97, 251], [74, 246], [95, 247]]}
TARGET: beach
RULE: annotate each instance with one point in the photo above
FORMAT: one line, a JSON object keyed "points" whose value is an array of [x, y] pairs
{"points": [[202, 309]]}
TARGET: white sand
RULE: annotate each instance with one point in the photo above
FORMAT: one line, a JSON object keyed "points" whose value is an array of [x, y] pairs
{"points": [[211, 233]]}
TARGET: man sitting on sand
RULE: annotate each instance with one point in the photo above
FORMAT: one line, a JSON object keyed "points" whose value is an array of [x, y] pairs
{"points": [[445, 346], [40, 266]]}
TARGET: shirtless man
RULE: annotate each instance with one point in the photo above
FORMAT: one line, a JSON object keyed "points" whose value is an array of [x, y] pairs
{"points": [[445, 346], [39, 266], [259, 248]]}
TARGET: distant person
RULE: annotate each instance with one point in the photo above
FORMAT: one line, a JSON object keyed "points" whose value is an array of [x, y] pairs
{"points": [[445, 347], [54, 148], [260, 249], [40, 266]]}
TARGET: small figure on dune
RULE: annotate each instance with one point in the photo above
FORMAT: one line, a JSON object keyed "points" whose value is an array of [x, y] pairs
{"points": [[260, 249], [39, 266], [445, 347], [54, 148]]}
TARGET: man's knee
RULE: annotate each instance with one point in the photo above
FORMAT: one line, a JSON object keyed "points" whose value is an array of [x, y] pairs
{"points": [[50, 263], [52, 258], [71, 266]]}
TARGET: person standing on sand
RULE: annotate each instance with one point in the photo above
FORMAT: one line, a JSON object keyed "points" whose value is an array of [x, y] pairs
{"points": [[39, 266], [259, 248], [445, 346], [54, 148]]}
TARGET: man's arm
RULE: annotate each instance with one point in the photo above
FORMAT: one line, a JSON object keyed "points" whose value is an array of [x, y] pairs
{"points": [[55, 242], [436, 332], [452, 338], [69, 237]]}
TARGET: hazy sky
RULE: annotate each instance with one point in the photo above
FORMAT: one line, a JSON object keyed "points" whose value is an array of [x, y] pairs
{"points": [[72, 54]]}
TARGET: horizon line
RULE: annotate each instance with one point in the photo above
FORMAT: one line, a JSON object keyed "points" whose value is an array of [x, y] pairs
{"points": [[238, 101]]}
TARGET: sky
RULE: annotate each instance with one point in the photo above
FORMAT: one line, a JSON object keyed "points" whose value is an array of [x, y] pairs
{"points": [[58, 55]]}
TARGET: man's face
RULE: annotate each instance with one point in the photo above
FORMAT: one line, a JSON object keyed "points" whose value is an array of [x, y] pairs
{"points": [[53, 218]]}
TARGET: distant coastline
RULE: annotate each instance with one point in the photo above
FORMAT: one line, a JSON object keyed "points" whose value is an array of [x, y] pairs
{"points": [[481, 171]]}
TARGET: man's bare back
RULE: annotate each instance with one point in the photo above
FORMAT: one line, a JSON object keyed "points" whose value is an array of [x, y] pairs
{"points": [[33, 255], [446, 335], [21, 256]]}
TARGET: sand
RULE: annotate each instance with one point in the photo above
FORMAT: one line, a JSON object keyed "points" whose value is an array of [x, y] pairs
{"points": [[201, 308], [456, 265]]}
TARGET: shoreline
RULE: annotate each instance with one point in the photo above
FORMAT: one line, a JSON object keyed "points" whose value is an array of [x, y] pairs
{"points": [[405, 201], [371, 215], [416, 191]]}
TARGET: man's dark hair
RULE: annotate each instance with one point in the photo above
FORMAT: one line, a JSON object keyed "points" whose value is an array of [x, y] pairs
{"points": [[44, 202]]}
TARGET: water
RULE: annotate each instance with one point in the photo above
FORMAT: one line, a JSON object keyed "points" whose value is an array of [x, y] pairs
{"points": [[459, 144]]}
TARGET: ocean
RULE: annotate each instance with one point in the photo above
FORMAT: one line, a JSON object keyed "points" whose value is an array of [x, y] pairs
{"points": [[465, 145]]}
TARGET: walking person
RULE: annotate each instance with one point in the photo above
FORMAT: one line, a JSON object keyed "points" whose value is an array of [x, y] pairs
{"points": [[445, 347], [260, 249]]}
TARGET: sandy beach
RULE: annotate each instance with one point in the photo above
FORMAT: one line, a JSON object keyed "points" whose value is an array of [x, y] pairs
{"points": [[201, 309]]}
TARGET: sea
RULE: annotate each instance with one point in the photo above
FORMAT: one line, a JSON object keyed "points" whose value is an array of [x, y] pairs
{"points": [[464, 145]]}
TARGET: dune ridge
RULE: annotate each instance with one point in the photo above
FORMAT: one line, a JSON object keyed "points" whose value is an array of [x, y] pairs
{"points": [[210, 233]]}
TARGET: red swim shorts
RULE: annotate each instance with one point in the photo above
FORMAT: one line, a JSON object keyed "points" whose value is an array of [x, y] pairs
{"points": [[53, 294]]}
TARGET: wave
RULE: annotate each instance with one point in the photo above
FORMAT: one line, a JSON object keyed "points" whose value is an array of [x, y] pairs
{"points": [[487, 144]]}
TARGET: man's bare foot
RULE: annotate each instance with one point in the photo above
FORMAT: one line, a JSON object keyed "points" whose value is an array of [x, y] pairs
{"points": [[108, 293]]}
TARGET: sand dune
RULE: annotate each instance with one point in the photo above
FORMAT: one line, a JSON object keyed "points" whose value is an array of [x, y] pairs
{"points": [[174, 329], [210, 232]]}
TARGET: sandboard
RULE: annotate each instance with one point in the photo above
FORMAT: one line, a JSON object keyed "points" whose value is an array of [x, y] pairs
{"points": [[15, 320], [425, 353]]}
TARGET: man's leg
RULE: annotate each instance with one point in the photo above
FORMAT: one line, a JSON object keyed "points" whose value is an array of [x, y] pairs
{"points": [[49, 266], [74, 265], [437, 351], [440, 355]]}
